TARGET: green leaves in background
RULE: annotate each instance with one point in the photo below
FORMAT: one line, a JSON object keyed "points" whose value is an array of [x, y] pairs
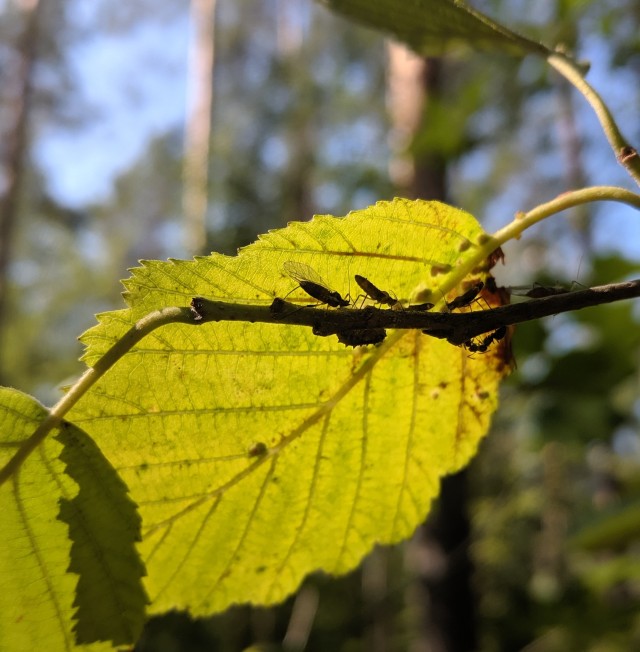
{"points": [[69, 570], [612, 529], [432, 27], [258, 453]]}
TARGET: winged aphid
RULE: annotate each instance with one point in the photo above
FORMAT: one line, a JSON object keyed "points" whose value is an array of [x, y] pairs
{"points": [[311, 282], [467, 298], [373, 291]]}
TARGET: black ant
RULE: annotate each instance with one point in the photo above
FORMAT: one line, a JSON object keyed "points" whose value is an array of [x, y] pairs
{"points": [[486, 341]]}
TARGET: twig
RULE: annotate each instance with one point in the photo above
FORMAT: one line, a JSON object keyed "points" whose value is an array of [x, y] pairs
{"points": [[457, 328], [454, 327]]}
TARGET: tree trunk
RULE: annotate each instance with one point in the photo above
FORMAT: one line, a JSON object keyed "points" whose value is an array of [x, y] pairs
{"points": [[195, 197], [440, 550], [18, 90]]}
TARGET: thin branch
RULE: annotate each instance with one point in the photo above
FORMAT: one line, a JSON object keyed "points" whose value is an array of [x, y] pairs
{"points": [[455, 327]]}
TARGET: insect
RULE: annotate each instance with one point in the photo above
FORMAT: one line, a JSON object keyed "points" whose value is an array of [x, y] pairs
{"points": [[258, 449], [486, 341], [539, 291], [421, 306], [313, 285], [468, 297], [361, 336], [375, 292]]}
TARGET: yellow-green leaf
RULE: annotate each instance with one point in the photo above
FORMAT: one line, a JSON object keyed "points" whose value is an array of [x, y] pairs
{"points": [[69, 573], [259, 453], [431, 27]]}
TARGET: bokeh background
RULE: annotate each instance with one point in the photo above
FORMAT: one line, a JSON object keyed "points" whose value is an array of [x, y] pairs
{"points": [[169, 128]]}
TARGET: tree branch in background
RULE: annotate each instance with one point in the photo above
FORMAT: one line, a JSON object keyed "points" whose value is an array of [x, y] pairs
{"points": [[626, 154]]}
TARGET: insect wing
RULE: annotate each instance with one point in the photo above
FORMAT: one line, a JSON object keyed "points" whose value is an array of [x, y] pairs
{"points": [[311, 282], [301, 272], [541, 291]]}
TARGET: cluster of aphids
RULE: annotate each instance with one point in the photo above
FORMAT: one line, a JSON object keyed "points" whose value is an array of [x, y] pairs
{"points": [[316, 288]]}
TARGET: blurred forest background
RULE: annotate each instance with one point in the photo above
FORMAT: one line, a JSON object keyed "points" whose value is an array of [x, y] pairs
{"points": [[165, 128]]}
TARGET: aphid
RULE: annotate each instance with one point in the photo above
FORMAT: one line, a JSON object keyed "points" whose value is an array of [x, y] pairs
{"points": [[277, 306], [440, 269], [375, 292], [257, 450], [421, 306], [362, 336], [196, 308], [468, 297], [539, 291], [313, 285]]}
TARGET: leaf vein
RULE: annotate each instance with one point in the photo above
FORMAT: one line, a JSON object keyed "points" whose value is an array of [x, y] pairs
{"points": [[189, 549], [363, 453], [243, 537], [417, 341], [307, 510], [40, 561]]}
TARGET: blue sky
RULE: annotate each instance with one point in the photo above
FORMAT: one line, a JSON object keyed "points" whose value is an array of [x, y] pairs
{"points": [[135, 84]]}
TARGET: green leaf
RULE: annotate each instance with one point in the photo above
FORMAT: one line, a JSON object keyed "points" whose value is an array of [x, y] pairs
{"points": [[104, 526], [432, 27], [259, 453], [67, 541]]}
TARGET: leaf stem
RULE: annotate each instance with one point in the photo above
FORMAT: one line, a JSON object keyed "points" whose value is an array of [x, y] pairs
{"points": [[561, 203], [625, 153], [139, 330], [523, 221]]}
